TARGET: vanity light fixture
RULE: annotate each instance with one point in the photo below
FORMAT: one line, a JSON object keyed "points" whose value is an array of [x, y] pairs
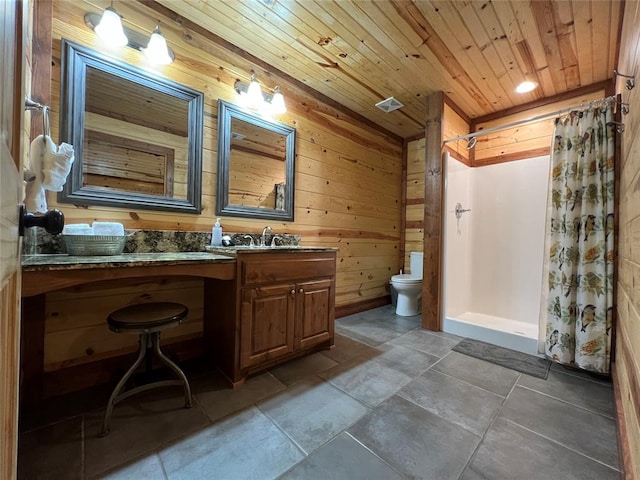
{"points": [[254, 93], [155, 48], [277, 102], [110, 28], [157, 51], [526, 86], [253, 98]]}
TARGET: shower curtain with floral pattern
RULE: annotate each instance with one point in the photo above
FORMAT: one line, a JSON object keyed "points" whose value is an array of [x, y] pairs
{"points": [[580, 229]]}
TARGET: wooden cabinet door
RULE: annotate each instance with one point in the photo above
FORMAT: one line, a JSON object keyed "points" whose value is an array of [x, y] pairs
{"points": [[266, 323], [315, 312]]}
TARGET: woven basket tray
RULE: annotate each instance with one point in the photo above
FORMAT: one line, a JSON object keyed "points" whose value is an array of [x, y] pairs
{"points": [[94, 244]]}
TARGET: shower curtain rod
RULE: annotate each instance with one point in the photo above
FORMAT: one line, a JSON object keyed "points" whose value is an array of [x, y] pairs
{"points": [[529, 120]]}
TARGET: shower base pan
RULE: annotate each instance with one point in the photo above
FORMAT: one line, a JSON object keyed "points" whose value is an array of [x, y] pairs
{"points": [[504, 332]]}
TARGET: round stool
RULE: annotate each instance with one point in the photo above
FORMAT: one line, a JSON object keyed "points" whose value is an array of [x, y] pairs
{"points": [[146, 320]]}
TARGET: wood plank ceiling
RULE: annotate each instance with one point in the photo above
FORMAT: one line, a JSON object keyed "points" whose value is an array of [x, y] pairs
{"points": [[361, 52]]}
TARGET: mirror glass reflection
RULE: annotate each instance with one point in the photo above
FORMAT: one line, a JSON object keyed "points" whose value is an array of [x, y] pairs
{"points": [[255, 165], [257, 170], [139, 135], [135, 138]]}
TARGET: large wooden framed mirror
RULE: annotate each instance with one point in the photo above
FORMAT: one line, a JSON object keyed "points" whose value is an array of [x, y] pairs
{"points": [[137, 136], [255, 165]]}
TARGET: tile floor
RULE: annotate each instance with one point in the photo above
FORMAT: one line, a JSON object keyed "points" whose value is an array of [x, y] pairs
{"points": [[391, 401]]}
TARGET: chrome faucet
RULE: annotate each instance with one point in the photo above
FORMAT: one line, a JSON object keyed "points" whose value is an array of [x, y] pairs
{"points": [[263, 237], [250, 238], [273, 240]]}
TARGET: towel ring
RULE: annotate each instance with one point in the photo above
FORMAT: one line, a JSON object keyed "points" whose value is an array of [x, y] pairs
{"points": [[46, 125]]}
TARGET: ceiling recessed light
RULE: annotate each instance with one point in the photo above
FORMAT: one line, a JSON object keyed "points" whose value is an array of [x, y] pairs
{"points": [[525, 87]]}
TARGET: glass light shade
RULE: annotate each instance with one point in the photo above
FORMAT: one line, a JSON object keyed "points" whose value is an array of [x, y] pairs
{"points": [[254, 93], [277, 102], [525, 87], [110, 28], [157, 51]]}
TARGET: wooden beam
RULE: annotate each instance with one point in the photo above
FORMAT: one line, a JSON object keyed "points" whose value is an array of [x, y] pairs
{"points": [[433, 204]]}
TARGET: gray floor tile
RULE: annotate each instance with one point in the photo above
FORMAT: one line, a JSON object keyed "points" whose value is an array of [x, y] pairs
{"points": [[312, 412], [589, 433], [370, 381], [426, 342], [142, 424], [406, 360], [346, 349], [469, 474], [148, 467], [593, 396], [342, 458], [244, 446], [52, 452], [218, 399], [301, 368], [454, 400], [414, 441], [372, 332], [508, 451], [482, 374], [581, 373]]}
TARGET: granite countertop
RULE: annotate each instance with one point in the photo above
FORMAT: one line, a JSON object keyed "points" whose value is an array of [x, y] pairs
{"points": [[233, 251], [70, 262]]}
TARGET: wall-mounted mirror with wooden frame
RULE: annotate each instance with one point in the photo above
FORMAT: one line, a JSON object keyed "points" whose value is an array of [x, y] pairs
{"points": [[255, 165], [137, 137]]}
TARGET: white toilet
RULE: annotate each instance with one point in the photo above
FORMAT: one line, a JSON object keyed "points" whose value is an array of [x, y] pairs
{"points": [[409, 287]]}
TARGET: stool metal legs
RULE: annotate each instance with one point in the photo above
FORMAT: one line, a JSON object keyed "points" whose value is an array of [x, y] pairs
{"points": [[116, 397]]}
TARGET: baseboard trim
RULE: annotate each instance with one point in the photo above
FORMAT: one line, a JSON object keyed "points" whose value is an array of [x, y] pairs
{"points": [[623, 443], [357, 307]]}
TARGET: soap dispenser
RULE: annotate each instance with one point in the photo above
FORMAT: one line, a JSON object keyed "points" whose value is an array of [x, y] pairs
{"points": [[216, 234]]}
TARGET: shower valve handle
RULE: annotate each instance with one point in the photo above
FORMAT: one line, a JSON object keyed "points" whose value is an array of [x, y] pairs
{"points": [[460, 210]]}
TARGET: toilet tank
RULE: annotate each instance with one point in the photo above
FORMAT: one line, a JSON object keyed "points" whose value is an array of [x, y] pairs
{"points": [[415, 264]]}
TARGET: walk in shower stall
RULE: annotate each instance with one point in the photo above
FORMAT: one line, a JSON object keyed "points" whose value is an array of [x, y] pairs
{"points": [[494, 249]]}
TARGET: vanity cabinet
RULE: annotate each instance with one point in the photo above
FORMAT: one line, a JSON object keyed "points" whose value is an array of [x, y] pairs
{"points": [[285, 308]]}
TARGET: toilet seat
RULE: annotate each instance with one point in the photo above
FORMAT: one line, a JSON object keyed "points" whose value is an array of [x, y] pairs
{"points": [[405, 278]]}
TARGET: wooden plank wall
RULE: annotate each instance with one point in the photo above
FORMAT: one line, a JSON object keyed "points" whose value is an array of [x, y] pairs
{"points": [[524, 141], [627, 358], [348, 184]]}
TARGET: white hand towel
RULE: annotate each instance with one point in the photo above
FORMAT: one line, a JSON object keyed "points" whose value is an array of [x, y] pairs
{"points": [[35, 199], [56, 165]]}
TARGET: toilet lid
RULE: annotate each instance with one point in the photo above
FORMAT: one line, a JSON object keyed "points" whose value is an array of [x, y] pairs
{"points": [[405, 278]]}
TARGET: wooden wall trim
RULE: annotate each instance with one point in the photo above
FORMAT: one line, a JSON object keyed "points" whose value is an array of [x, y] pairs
{"points": [[41, 55], [418, 136], [510, 157], [433, 194], [403, 201], [594, 87], [457, 156], [621, 422], [364, 305], [188, 24], [454, 106]]}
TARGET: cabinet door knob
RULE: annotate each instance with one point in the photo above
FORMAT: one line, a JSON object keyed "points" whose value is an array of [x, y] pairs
{"points": [[293, 291], [301, 291]]}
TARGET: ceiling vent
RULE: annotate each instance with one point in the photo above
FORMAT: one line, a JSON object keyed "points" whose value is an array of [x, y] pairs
{"points": [[389, 105]]}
